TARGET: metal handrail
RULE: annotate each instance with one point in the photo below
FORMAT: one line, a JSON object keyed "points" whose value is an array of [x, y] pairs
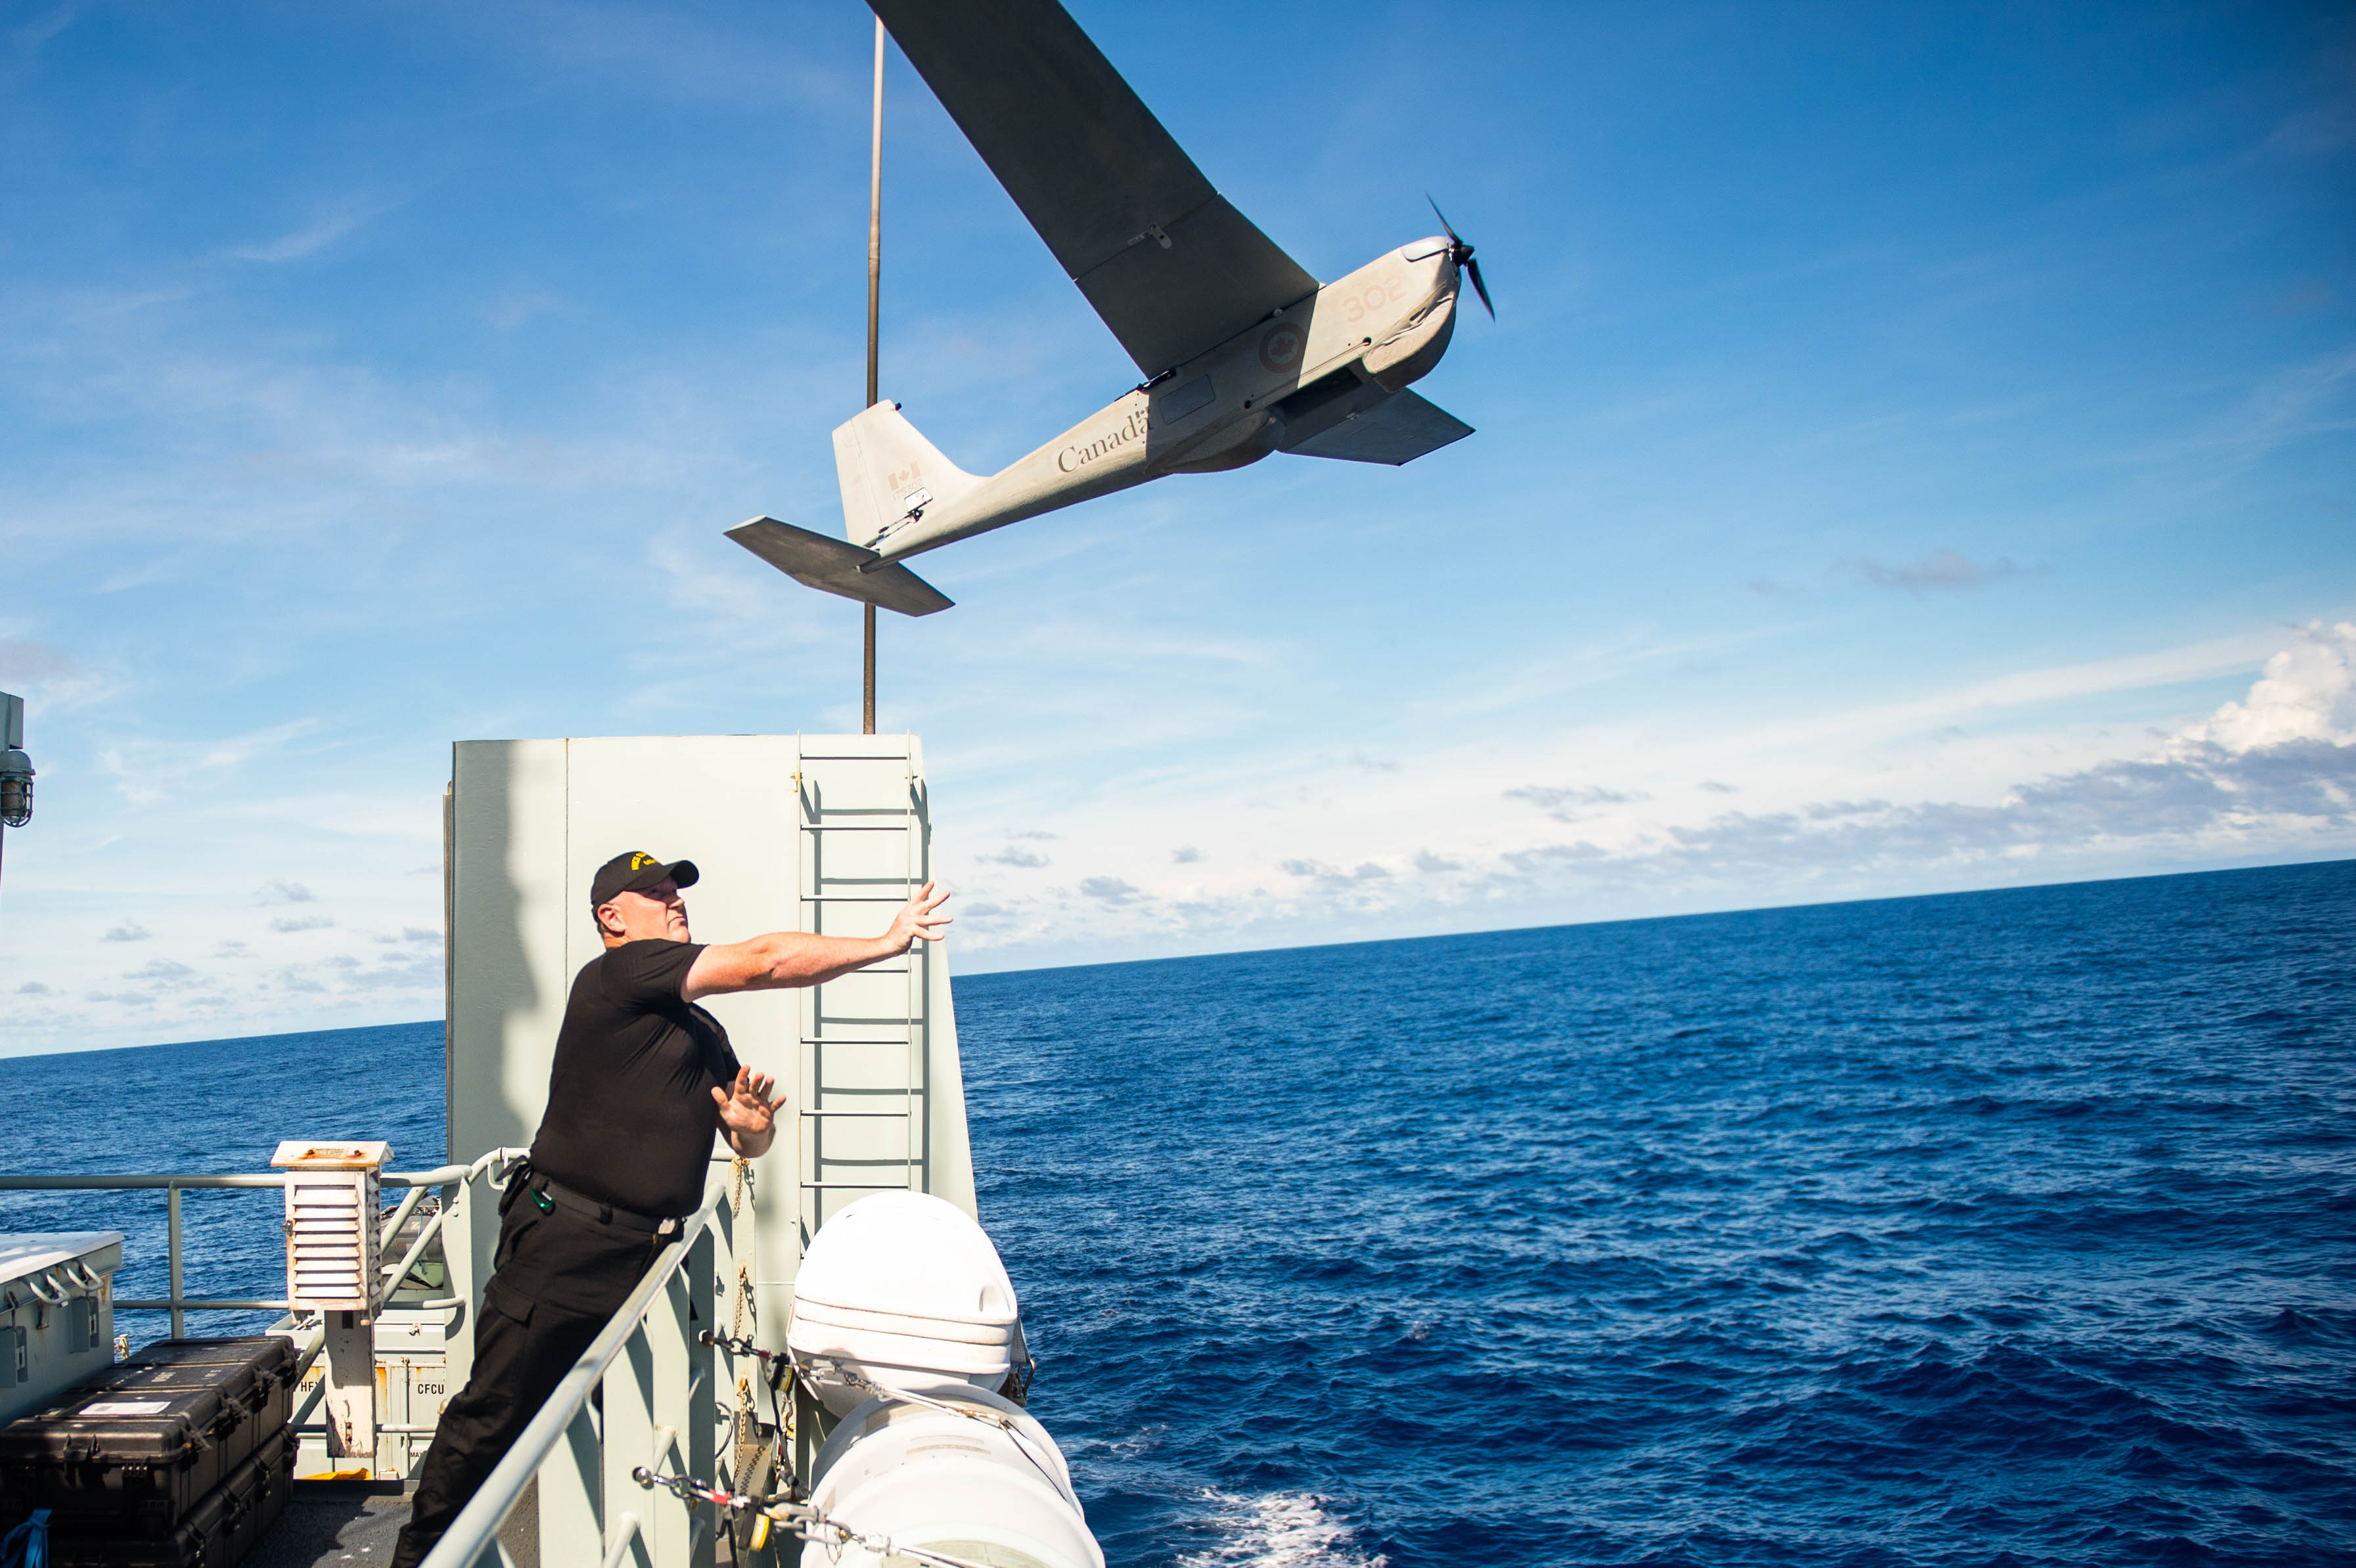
{"points": [[475, 1530], [185, 1304], [439, 1175], [661, 1386], [179, 1304]]}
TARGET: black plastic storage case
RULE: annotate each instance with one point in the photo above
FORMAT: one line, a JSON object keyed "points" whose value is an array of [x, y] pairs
{"points": [[132, 1450], [253, 1372], [217, 1532]]}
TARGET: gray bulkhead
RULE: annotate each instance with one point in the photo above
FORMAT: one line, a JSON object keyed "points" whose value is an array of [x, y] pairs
{"points": [[817, 833]]}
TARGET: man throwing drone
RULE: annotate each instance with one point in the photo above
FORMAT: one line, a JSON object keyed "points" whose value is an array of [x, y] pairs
{"points": [[642, 1081]]}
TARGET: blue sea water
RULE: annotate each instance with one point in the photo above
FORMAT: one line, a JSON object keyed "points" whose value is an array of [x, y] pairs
{"points": [[217, 1108], [1997, 1228]]}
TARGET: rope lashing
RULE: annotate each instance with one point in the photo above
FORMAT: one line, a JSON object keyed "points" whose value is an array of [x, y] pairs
{"points": [[802, 1520]]}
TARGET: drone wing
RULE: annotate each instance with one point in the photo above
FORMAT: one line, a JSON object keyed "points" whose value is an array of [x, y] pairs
{"points": [[1399, 428], [1170, 267]]}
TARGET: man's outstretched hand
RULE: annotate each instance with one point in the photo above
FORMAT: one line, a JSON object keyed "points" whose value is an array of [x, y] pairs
{"points": [[919, 918], [747, 1114]]}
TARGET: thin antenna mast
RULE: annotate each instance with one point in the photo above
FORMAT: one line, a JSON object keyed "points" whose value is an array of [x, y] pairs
{"points": [[874, 310]]}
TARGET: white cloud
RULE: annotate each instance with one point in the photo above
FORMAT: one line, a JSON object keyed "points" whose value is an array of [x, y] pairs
{"points": [[128, 931], [160, 969], [1941, 571], [1307, 853], [26, 38], [299, 244], [279, 891], [1333, 880], [513, 310], [55, 684], [288, 923], [2308, 693], [1572, 803], [149, 772]]}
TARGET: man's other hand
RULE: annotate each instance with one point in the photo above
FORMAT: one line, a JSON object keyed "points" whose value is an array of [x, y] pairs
{"points": [[746, 1112], [918, 918]]}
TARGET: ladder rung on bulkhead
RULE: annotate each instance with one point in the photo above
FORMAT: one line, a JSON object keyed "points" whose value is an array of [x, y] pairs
{"points": [[845, 877]]}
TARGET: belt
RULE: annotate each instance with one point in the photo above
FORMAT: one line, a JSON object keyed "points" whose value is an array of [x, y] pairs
{"points": [[559, 1196]]}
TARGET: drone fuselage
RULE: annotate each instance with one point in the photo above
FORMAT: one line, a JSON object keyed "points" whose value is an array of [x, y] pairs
{"points": [[1282, 382]]}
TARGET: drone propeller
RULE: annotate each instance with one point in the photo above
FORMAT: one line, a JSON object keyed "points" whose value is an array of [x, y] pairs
{"points": [[1462, 255]]}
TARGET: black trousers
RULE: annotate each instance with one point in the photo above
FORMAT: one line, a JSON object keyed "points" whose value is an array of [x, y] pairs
{"points": [[556, 1280]]}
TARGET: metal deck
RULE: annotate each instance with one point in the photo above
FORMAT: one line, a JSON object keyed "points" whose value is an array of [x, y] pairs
{"points": [[333, 1527]]}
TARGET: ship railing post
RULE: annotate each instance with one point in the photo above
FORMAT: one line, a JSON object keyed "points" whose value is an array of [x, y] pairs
{"points": [[172, 1257], [693, 1391], [458, 1265], [628, 1394], [667, 1334], [570, 1509], [573, 1488], [730, 1315], [460, 1259]]}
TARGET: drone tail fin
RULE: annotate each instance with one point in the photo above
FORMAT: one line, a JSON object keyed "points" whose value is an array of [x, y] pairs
{"points": [[891, 475]]}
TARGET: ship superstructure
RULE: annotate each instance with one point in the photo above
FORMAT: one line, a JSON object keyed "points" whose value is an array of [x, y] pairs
{"points": [[830, 1351]]}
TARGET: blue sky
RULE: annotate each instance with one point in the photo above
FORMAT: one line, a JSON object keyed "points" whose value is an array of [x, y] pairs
{"points": [[1914, 452]]}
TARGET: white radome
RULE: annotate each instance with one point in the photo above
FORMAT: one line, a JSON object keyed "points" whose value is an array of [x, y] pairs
{"points": [[904, 1290]]}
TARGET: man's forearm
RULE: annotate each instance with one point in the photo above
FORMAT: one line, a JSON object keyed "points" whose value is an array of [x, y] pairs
{"points": [[796, 958], [785, 958]]}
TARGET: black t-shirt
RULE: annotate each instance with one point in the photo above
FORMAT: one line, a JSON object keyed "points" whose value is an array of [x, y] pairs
{"points": [[630, 1118]]}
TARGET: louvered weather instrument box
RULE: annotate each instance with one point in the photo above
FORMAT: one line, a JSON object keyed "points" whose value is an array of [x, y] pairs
{"points": [[331, 1224]]}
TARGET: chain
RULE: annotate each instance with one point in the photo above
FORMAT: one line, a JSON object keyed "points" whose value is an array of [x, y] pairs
{"points": [[743, 1305], [745, 1429]]}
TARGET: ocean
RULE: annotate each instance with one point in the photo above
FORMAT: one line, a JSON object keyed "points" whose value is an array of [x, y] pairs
{"points": [[1993, 1228]]}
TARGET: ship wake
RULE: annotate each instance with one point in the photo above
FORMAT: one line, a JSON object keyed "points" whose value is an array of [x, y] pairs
{"points": [[1278, 1529]]}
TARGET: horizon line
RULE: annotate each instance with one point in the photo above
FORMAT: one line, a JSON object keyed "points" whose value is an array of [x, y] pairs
{"points": [[1315, 946]]}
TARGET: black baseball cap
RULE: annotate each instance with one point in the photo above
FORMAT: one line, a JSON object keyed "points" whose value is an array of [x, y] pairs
{"points": [[635, 873]]}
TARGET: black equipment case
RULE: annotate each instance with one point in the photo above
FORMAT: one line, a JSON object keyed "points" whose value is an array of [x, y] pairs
{"points": [[134, 1450], [218, 1531], [252, 1373]]}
